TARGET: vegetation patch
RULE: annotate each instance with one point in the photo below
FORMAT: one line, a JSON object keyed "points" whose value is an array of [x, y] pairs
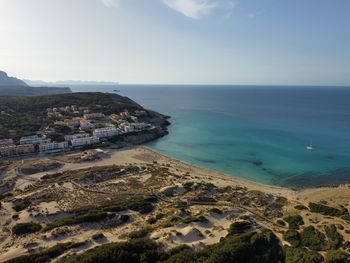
{"points": [[294, 221], [21, 205], [239, 227], [293, 237], [140, 233], [334, 238], [336, 256], [25, 228], [143, 206], [195, 219], [301, 207], [326, 210], [89, 217], [247, 247], [312, 238], [301, 255], [215, 210], [47, 254]]}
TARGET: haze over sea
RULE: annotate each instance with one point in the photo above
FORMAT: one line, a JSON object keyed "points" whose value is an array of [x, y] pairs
{"points": [[258, 133]]}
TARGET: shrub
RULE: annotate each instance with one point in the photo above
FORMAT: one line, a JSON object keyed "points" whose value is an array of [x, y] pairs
{"points": [[335, 239], [140, 233], [346, 217], [293, 237], [151, 220], [301, 207], [144, 206], [196, 219], [301, 255], [239, 227], [312, 238], [215, 210], [47, 254], [124, 218], [325, 210], [250, 247], [20, 205], [336, 256], [88, 217], [26, 228], [294, 221]]}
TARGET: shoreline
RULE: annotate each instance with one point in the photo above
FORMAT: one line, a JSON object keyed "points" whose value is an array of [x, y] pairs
{"points": [[225, 176], [175, 182]]}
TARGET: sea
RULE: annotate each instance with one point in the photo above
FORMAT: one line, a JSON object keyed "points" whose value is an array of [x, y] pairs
{"points": [[259, 133]]}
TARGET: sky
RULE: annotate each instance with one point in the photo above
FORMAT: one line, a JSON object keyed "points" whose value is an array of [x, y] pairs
{"points": [[266, 42]]}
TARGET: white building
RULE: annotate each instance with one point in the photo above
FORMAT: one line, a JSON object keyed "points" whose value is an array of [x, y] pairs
{"points": [[6, 142], [74, 122], [106, 132], [76, 136], [8, 150], [12, 150], [59, 123], [53, 146], [86, 125], [35, 139], [94, 116], [85, 141]]}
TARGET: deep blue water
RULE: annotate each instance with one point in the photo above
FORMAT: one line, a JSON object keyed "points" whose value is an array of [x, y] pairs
{"points": [[258, 133]]}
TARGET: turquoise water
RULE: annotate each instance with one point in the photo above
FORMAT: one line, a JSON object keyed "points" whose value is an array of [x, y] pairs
{"points": [[258, 133]]}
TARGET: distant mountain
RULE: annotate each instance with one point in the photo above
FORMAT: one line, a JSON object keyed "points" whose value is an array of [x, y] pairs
{"points": [[5, 80], [31, 91], [69, 83], [10, 86]]}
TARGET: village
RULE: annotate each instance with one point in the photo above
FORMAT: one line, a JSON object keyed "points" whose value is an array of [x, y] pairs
{"points": [[88, 130]]}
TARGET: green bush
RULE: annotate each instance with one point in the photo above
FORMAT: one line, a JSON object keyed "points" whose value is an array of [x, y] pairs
{"points": [[312, 238], [26, 228], [124, 218], [293, 237], [239, 227], [249, 247], [294, 221], [336, 256], [20, 205], [151, 220], [140, 233], [325, 210], [301, 255], [334, 238], [215, 210], [346, 217], [195, 219], [144, 206], [301, 207], [88, 217], [45, 255]]}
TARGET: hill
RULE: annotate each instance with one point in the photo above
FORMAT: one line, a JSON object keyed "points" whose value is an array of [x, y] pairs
{"points": [[5, 80], [25, 115], [10, 86], [31, 91]]}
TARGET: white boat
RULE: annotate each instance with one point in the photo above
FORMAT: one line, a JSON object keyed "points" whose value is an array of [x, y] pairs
{"points": [[310, 147]]}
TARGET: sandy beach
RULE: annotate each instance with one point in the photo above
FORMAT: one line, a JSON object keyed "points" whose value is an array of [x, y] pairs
{"points": [[172, 176]]}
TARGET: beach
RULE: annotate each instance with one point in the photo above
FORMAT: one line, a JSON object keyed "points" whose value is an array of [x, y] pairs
{"points": [[65, 191]]}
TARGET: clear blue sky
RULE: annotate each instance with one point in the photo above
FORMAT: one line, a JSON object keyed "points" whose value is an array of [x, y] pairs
{"points": [[178, 41]]}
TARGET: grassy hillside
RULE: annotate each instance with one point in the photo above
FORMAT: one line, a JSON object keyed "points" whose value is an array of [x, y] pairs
{"points": [[26, 115]]}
